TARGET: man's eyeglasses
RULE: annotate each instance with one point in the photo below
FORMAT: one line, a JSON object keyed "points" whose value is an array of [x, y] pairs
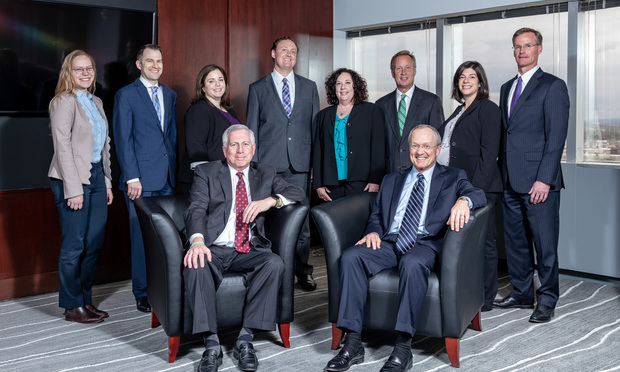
{"points": [[426, 147]]}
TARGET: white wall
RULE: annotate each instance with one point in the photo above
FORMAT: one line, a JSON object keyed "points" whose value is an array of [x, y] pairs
{"points": [[590, 205]]}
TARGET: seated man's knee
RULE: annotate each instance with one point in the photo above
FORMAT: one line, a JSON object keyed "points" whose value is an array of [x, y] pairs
{"points": [[274, 263], [350, 256]]}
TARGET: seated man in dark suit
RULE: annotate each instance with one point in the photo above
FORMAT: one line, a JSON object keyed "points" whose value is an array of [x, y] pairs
{"points": [[226, 228], [412, 211]]}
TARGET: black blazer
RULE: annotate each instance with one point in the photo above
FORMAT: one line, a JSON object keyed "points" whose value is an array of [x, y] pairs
{"points": [[365, 145], [204, 127], [474, 144], [425, 108]]}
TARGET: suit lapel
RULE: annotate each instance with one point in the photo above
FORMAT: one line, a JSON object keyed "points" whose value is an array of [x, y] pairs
{"points": [[224, 179], [254, 179], [399, 182], [392, 115], [414, 107], [436, 185], [505, 91], [271, 88], [146, 99], [531, 85]]}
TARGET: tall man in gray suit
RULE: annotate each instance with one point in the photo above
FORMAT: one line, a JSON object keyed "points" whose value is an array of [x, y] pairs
{"points": [[535, 108], [225, 222], [281, 111], [405, 108]]}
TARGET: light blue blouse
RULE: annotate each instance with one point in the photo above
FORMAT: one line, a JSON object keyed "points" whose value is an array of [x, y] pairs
{"points": [[96, 121]]}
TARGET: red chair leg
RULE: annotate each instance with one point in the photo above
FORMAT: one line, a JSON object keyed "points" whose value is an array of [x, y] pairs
{"points": [[476, 322], [336, 336], [285, 334], [154, 320], [452, 347], [173, 348]]}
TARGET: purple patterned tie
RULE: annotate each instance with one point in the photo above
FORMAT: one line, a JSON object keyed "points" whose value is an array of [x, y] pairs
{"points": [[516, 95], [286, 98]]}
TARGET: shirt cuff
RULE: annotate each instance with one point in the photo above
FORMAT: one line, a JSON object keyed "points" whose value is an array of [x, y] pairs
{"points": [[196, 235], [285, 201], [471, 205], [133, 180]]}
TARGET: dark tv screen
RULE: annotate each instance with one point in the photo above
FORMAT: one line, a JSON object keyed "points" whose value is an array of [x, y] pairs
{"points": [[35, 36]]}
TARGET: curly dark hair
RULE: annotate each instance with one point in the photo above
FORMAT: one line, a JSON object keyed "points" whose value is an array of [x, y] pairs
{"points": [[360, 92]]}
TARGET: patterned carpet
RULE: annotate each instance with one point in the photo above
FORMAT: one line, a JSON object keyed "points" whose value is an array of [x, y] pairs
{"points": [[583, 336]]}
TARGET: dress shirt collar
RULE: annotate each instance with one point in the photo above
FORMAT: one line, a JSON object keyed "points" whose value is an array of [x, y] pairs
{"points": [[147, 84], [80, 93], [409, 94], [525, 78], [278, 77], [233, 172], [428, 174]]}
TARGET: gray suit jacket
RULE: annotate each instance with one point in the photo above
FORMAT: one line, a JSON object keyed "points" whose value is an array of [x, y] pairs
{"points": [[72, 134], [211, 198], [425, 108], [283, 142], [533, 137]]}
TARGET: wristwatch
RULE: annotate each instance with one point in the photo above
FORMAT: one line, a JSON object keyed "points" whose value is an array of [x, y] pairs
{"points": [[277, 199]]}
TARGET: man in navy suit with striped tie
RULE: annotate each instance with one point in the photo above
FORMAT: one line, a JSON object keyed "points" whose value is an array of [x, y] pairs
{"points": [[535, 108], [413, 209], [145, 136]]}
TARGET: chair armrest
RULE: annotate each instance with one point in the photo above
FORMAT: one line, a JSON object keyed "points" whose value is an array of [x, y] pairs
{"points": [[341, 224], [282, 228], [164, 264], [462, 273]]}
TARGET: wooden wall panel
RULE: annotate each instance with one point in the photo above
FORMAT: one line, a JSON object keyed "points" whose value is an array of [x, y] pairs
{"points": [[30, 243]]}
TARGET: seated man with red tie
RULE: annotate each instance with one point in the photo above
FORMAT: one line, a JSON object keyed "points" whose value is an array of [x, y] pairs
{"points": [[226, 228], [413, 209]]}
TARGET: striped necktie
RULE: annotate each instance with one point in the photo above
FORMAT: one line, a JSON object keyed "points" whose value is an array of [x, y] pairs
{"points": [[408, 232], [402, 113]]}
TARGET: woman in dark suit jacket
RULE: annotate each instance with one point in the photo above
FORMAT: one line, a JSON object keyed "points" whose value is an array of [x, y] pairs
{"points": [[470, 141], [209, 115], [81, 182], [348, 150]]}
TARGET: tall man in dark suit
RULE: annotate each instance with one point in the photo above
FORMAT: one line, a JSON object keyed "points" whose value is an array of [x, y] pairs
{"points": [[535, 109], [281, 111], [405, 108], [226, 228], [405, 230], [145, 135]]}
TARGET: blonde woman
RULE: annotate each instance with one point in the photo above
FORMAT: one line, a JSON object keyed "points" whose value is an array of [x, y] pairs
{"points": [[81, 182]]}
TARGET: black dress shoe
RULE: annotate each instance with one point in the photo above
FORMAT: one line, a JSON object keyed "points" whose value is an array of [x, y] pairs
{"points": [[245, 355], [210, 360], [101, 313], [394, 364], [307, 282], [142, 304], [487, 307], [542, 314], [82, 315], [345, 359], [511, 303]]}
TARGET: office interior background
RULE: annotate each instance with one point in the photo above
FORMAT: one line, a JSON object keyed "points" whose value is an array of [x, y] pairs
{"points": [[580, 46]]}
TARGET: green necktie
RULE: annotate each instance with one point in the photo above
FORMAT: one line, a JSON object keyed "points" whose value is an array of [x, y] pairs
{"points": [[402, 113]]}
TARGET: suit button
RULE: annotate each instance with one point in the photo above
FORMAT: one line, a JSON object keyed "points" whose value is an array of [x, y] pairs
{"points": [[453, 157], [350, 137], [453, 143], [348, 124], [165, 154], [402, 150], [289, 138], [350, 152]]}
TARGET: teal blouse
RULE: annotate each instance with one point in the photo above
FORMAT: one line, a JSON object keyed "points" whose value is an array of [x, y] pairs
{"points": [[340, 146]]}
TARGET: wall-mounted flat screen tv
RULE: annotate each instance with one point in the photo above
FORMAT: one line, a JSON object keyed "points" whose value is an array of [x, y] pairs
{"points": [[35, 36]]}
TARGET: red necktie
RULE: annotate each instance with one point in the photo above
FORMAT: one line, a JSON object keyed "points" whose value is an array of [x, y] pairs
{"points": [[242, 245]]}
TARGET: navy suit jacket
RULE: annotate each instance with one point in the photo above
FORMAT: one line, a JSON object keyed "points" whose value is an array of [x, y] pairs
{"points": [[283, 142], [425, 108], [448, 184], [143, 150], [474, 144], [211, 198], [533, 137]]}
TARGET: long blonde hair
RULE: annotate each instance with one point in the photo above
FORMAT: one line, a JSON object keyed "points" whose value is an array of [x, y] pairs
{"points": [[65, 80]]}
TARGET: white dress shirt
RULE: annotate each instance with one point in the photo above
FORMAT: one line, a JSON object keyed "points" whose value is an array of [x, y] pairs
{"points": [[290, 80], [399, 96]]}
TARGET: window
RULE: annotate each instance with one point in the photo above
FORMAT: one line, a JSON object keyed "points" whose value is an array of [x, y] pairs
{"points": [[370, 56], [601, 127]]}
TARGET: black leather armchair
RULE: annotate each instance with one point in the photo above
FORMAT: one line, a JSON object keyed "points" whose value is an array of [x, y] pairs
{"points": [[161, 221], [455, 289]]}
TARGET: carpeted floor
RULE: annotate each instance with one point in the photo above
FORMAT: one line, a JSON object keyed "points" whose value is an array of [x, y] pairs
{"points": [[583, 336]]}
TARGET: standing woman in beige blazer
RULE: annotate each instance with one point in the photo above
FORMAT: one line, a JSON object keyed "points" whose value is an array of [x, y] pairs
{"points": [[80, 178]]}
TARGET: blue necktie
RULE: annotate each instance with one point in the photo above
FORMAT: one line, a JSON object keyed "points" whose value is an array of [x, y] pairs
{"points": [[286, 98], [408, 231], [155, 100], [516, 95]]}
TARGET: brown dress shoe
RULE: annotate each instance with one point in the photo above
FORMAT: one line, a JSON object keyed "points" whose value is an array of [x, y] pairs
{"points": [[82, 315], [101, 313]]}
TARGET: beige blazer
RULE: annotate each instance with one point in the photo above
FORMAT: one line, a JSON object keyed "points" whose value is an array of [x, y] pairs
{"points": [[73, 145]]}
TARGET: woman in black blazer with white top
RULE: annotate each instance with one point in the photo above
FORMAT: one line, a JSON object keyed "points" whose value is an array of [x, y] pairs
{"points": [[470, 141], [349, 146]]}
